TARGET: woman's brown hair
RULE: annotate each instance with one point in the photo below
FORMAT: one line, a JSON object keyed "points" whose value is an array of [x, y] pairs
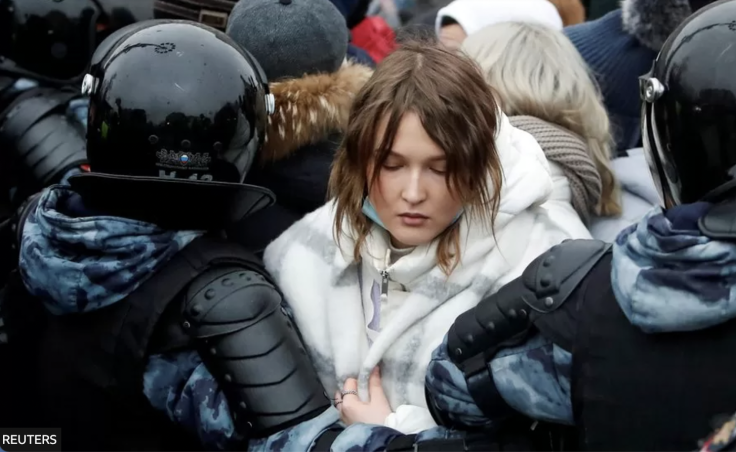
{"points": [[457, 109]]}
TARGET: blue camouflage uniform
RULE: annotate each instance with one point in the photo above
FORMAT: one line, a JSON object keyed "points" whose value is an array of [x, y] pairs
{"points": [[666, 276], [76, 261]]}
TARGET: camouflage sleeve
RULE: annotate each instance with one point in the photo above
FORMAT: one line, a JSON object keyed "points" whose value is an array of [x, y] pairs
{"points": [[181, 386], [533, 378], [365, 437], [299, 438], [370, 437], [446, 383]]}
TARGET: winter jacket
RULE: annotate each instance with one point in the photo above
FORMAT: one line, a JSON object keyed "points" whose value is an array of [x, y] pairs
{"points": [[328, 291]]}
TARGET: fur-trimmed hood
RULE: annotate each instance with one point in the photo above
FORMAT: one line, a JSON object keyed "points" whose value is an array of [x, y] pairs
{"points": [[310, 108], [652, 21]]}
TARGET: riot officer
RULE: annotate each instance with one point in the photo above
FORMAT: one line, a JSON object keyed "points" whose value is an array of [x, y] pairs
{"points": [[632, 343], [130, 266]]}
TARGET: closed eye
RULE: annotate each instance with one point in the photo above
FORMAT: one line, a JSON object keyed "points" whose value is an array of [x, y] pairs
{"points": [[391, 167]]}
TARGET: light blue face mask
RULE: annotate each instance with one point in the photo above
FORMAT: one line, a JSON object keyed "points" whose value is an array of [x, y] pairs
{"points": [[370, 212]]}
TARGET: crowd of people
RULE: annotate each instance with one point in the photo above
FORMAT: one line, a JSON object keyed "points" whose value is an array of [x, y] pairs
{"points": [[385, 225]]}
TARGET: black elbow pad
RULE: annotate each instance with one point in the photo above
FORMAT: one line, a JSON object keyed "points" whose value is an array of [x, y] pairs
{"points": [[250, 345]]}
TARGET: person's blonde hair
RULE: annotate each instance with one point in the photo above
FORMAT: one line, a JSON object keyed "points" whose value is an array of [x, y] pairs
{"points": [[536, 71], [457, 109]]}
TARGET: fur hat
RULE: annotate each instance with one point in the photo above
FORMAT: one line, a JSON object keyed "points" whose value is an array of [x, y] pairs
{"points": [[652, 21]]}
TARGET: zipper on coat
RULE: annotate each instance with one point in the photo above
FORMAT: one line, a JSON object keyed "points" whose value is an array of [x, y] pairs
{"points": [[385, 275]]}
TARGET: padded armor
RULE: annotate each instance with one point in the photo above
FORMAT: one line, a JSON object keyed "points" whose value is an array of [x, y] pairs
{"points": [[44, 142], [249, 344], [719, 223], [529, 303]]}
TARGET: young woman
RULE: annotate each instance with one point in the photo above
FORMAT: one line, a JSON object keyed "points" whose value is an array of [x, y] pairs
{"points": [[437, 202], [546, 89]]}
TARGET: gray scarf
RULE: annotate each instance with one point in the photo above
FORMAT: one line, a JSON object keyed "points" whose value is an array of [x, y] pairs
{"points": [[570, 152]]}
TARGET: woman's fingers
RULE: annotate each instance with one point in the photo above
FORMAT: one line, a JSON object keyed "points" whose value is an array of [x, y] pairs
{"points": [[338, 400], [351, 384], [374, 382], [376, 387]]}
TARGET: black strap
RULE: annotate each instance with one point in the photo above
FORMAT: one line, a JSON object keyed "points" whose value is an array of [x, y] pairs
{"points": [[403, 443], [25, 210], [325, 440]]}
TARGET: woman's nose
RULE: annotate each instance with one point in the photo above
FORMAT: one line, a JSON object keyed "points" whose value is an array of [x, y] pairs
{"points": [[414, 191]]}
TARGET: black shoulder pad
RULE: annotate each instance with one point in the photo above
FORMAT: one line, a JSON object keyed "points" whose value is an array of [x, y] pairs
{"points": [[554, 275], [505, 318], [29, 107], [542, 288], [41, 138], [249, 344]]}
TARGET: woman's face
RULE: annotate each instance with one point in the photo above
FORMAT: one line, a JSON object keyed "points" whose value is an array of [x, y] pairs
{"points": [[411, 196], [452, 36]]}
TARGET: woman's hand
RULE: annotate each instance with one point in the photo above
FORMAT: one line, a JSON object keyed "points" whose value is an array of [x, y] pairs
{"points": [[353, 410]]}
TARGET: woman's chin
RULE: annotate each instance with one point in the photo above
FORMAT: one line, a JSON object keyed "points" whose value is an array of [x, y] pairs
{"points": [[407, 236]]}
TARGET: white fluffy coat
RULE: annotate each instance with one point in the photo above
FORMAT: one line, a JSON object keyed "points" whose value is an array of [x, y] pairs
{"points": [[321, 282]]}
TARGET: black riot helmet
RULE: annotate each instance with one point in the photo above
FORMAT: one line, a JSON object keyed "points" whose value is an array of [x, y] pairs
{"points": [[53, 40], [177, 111], [689, 109]]}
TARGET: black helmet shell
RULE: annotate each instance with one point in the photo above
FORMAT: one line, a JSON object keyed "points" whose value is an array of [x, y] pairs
{"points": [[689, 110], [175, 99]]}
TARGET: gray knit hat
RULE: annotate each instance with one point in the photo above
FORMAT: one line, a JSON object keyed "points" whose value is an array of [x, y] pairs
{"points": [[291, 38]]}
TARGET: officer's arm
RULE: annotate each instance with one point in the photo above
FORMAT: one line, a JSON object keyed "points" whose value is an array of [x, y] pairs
{"points": [[508, 354], [251, 377]]}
